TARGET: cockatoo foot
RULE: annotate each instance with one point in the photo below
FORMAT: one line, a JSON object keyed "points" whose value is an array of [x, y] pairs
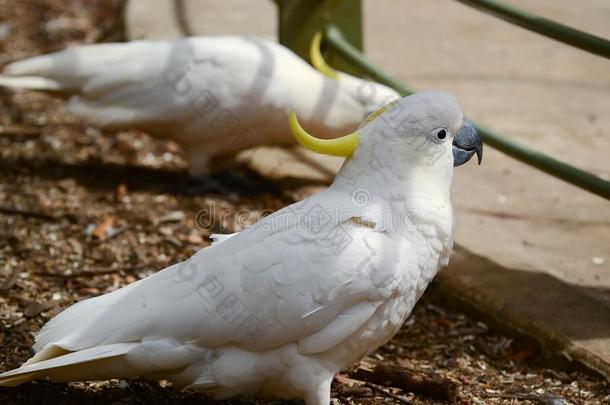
{"points": [[244, 181], [229, 182], [321, 396], [204, 184]]}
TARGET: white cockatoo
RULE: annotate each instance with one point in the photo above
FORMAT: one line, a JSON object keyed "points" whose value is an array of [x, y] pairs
{"points": [[278, 309], [213, 95]]}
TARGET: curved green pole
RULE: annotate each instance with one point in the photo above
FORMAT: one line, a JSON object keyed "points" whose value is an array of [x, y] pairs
{"points": [[547, 164], [543, 26], [299, 20]]}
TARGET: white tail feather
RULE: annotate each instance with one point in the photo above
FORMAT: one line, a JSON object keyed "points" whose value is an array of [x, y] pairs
{"points": [[30, 82], [96, 363], [68, 70]]}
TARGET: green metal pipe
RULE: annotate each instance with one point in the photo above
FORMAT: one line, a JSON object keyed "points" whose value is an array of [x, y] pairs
{"points": [[543, 26], [334, 38], [547, 164]]}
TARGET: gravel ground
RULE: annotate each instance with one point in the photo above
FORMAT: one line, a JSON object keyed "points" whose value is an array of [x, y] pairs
{"points": [[83, 213]]}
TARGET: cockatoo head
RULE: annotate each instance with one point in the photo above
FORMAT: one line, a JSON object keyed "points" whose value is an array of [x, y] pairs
{"points": [[368, 95], [423, 134]]}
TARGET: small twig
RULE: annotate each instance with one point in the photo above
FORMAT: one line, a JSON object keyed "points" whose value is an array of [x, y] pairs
{"points": [[10, 281], [28, 213], [417, 381], [95, 271], [385, 392], [524, 396], [20, 131]]}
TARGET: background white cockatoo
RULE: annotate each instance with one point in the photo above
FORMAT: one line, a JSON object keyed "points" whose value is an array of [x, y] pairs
{"points": [[212, 95], [278, 309]]}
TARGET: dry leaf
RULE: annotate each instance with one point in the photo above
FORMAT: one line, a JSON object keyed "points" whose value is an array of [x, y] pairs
{"points": [[194, 238]]}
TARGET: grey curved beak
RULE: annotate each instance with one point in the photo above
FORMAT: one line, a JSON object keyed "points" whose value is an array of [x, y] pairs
{"points": [[466, 143]]}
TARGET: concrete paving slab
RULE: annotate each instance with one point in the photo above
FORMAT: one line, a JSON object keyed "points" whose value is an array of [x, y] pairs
{"points": [[548, 242], [563, 319], [543, 93]]}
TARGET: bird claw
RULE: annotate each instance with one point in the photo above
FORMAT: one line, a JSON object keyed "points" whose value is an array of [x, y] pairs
{"points": [[228, 183], [208, 184]]}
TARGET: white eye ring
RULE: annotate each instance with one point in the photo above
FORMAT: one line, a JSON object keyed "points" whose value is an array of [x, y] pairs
{"points": [[439, 134]]}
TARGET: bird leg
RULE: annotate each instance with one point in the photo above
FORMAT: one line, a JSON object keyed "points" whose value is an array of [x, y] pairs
{"points": [[319, 396], [203, 184], [220, 173]]}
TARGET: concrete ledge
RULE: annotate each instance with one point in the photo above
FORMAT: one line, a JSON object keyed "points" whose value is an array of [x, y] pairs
{"points": [[560, 317]]}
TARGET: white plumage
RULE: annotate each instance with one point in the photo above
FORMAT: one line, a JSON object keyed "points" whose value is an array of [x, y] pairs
{"points": [[278, 309], [213, 95]]}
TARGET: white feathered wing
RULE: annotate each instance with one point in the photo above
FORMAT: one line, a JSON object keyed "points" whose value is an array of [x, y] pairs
{"points": [[251, 292]]}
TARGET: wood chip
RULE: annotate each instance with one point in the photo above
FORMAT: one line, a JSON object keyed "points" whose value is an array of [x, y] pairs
{"points": [[194, 238], [121, 192], [104, 227], [33, 309], [174, 216], [36, 308]]}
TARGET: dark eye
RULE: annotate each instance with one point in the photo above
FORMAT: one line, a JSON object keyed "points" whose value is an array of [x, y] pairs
{"points": [[438, 135]]}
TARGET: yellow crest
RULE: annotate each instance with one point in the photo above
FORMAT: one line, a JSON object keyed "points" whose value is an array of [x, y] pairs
{"points": [[378, 112], [343, 146], [317, 59]]}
